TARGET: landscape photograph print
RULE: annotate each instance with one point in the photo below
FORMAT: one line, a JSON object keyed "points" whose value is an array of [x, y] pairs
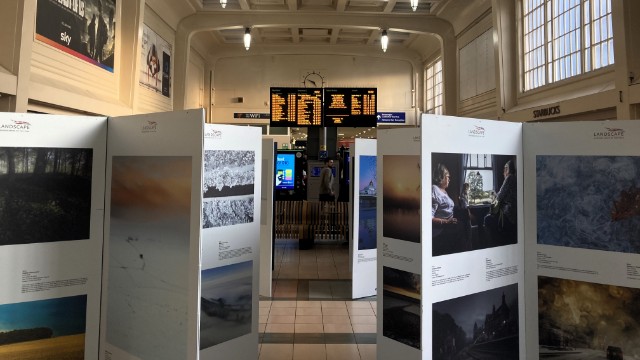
{"points": [[483, 325], [226, 303], [401, 308], [44, 329], [401, 191], [589, 202], [148, 247], [582, 320], [368, 191], [45, 194], [228, 190]]}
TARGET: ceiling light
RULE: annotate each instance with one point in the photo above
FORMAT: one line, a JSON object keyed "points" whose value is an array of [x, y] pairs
{"points": [[247, 38], [384, 39], [223, 3], [414, 4]]}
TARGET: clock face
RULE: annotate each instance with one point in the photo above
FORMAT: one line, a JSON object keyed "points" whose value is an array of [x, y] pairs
{"points": [[313, 80]]}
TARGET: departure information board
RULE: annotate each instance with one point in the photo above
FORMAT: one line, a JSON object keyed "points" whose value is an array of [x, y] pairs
{"points": [[296, 107], [352, 107]]}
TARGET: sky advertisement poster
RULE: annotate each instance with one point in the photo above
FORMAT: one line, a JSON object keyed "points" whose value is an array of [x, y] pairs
{"points": [[82, 28]]}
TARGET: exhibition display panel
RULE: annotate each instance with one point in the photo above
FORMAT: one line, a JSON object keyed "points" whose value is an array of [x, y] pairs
{"points": [[582, 251], [141, 246], [450, 279], [52, 171], [363, 221]]}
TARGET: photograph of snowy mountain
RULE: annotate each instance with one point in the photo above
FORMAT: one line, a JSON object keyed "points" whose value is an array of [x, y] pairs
{"points": [[45, 194], [581, 320], [367, 204], [225, 303], [148, 249], [44, 329], [229, 177], [590, 202]]}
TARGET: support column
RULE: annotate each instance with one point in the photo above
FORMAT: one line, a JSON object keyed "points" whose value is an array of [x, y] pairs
{"points": [[17, 23]]}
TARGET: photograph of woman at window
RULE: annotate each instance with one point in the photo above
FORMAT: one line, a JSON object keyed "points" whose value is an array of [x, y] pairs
{"points": [[447, 232], [471, 222]]}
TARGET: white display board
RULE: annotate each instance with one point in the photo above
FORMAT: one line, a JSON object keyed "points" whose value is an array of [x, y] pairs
{"points": [[473, 260], [51, 210], [266, 217], [153, 206], [451, 277], [398, 166], [582, 191], [230, 242], [363, 224]]}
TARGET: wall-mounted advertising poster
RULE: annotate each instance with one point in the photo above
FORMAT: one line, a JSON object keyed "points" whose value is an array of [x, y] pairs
{"points": [[82, 28], [155, 67]]}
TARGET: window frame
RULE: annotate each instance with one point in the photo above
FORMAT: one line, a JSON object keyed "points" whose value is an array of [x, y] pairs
{"points": [[549, 67], [437, 109]]}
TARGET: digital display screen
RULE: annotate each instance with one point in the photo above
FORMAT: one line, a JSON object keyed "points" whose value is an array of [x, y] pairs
{"points": [[295, 107], [350, 107], [285, 170]]}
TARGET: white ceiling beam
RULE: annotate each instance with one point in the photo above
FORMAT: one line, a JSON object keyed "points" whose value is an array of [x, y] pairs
{"points": [[335, 31], [341, 5], [390, 5], [293, 5], [244, 5]]}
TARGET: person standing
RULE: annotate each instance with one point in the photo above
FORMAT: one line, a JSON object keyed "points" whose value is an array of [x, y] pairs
{"points": [[326, 181]]}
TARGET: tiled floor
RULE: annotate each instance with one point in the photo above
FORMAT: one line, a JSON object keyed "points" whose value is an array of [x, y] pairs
{"points": [[311, 315]]}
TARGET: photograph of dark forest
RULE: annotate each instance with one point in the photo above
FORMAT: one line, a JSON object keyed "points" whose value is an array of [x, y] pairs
{"points": [[45, 194]]}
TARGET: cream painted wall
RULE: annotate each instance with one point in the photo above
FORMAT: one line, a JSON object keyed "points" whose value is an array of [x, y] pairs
{"points": [[35, 76], [250, 77]]}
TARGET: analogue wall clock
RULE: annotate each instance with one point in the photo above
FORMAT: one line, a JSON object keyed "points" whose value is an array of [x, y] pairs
{"points": [[313, 80]]}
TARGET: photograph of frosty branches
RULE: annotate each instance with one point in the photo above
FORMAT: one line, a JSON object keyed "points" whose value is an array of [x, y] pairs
{"points": [[229, 180]]}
